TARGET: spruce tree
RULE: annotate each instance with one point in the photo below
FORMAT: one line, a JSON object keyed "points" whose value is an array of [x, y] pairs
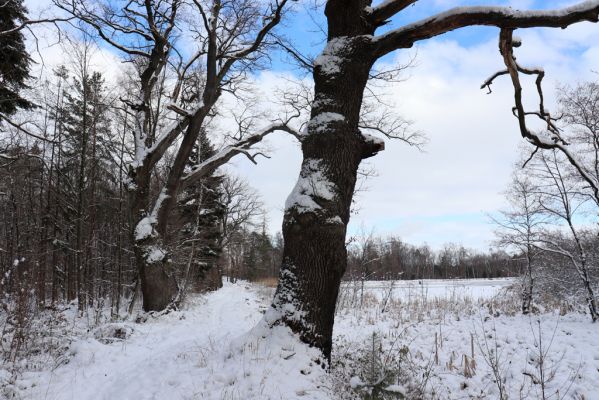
{"points": [[201, 210], [14, 59]]}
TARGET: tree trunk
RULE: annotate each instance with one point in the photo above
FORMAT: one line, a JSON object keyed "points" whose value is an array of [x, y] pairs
{"points": [[527, 284], [158, 285], [318, 209]]}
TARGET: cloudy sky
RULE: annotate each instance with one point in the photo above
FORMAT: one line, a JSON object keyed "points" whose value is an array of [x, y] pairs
{"points": [[445, 193]]}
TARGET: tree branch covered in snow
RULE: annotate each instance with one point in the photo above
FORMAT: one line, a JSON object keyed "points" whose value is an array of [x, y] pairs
{"points": [[501, 17], [387, 9]]}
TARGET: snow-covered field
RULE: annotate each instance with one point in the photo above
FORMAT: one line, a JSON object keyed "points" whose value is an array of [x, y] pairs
{"points": [[432, 345], [455, 289]]}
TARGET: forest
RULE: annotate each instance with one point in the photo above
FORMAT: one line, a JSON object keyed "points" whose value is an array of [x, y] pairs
{"points": [[122, 215]]}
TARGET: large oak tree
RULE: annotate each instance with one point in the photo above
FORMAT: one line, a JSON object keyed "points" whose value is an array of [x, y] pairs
{"points": [[318, 209]]}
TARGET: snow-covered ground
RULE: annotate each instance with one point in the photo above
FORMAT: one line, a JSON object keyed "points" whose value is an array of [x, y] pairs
{"points": [[441, 346]]}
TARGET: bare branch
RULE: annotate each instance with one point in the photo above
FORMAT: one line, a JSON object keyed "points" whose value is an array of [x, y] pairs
{"points": [[28, 23], [20, 126], [550, 138], [241, 147]]}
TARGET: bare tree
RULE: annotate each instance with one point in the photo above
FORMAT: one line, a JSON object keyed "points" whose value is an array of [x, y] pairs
{"points": [[242, 206], [228, 38], [520, 227], [579, 109], [318, 209], [560, 199]]}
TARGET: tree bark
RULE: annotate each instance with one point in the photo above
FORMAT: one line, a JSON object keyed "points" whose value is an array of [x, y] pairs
{"points": [[315, 221], [158, 285]]}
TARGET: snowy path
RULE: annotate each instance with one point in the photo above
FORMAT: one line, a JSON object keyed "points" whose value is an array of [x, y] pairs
{"points": [[163, 359]]}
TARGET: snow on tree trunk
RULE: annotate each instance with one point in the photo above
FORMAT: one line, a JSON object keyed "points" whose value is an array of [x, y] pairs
{"points": [[318, 209], [159, 287]]}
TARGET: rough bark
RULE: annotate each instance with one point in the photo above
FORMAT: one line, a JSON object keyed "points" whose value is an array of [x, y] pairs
{"points": [[315, 257]]}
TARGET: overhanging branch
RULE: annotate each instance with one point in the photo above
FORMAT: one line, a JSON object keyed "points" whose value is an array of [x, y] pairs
{"points": [[501, 17]]}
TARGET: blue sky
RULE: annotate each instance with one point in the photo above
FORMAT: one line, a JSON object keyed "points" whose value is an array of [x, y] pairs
{"points": [[305, 28]]}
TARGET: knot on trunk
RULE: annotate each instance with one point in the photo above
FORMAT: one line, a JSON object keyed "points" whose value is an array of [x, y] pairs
{"points": [[371, 145]]}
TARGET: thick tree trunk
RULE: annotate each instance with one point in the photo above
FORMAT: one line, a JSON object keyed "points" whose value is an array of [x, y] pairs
{"points": [[158, 285], [318, 209]]}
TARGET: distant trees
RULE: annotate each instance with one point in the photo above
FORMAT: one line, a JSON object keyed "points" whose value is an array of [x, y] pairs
{"points": [[390, 258]]}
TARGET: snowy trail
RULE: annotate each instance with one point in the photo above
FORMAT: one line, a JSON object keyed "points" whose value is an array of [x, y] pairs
{"points": [[163, 359]]}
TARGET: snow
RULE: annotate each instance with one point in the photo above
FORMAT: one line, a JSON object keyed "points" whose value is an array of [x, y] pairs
{"points": [[312, 184], [506, 12], [144, 228], [374, 140], [154, 254], [200, 352], [220, 346], [320, 123], [436, 289], [331, 58]]}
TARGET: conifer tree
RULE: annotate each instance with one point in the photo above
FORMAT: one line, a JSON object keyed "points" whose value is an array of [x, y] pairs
{"points": [[15, 61]]}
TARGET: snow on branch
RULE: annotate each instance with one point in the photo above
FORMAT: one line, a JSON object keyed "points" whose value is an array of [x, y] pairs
{"points": [[312, 185], [387, 9], [241, 147], [550, 137], [501, 17]]}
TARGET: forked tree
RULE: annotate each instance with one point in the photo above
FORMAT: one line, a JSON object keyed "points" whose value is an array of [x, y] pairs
{"points": [[318, 209], [186, 54]]}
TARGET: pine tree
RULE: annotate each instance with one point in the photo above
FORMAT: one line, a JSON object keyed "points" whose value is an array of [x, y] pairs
{"points": [[14, 62], [200, 212]]}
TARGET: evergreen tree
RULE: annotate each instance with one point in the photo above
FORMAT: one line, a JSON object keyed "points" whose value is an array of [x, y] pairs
{"points": [[201, 211], [14, 60]]}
